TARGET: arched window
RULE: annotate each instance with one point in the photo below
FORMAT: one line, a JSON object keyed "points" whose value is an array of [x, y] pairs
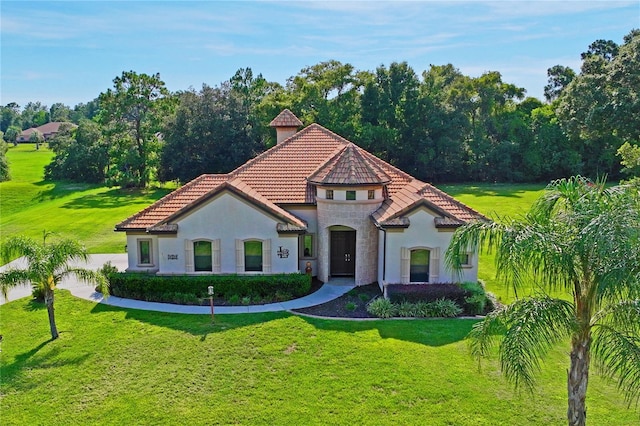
{"points": [[253, 256], [202, 259], [419, 266]]}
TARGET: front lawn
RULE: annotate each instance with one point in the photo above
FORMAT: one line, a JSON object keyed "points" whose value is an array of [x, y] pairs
{"points": [[119, 366]]}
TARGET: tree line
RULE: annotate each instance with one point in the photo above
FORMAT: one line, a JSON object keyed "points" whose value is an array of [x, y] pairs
{"points": [[439, 125]]}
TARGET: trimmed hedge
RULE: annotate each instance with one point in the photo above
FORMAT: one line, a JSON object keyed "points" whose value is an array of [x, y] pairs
{"points": [[189, 288]]}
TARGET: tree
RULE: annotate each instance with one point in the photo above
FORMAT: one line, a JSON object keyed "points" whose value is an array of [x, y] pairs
{"points": [[559, 77], [37, 138], [59, 112], [212, 132], [630, 158], [12, 133], [581, 239], [599, 110], [34, 114], [131, 116], [10, 116], [4, 165], [47, 264], [81, 155]]}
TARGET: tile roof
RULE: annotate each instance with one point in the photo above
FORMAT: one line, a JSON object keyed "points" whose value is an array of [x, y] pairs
{"points": [[286, 174], [349, 167], [286, 119]]}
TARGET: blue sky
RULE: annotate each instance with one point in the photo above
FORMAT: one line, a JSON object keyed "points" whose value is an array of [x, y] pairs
{"points": [[59, 51]]}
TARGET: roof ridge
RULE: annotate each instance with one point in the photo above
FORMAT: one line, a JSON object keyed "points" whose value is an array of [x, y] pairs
{"points": [[283, 144]]}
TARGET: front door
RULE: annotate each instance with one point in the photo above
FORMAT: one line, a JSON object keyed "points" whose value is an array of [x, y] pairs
{"points": [[343, 253]]}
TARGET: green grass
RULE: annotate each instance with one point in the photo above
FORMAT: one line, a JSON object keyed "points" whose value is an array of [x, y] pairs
{"points": [[88, 213], [120, 366]]}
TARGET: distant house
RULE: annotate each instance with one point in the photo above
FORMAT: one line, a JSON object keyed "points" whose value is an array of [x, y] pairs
{"points": [[48, 131], [313, 199]]}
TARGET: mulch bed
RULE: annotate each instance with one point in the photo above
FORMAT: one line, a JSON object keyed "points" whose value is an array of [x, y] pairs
{"points": [[351, 305]]}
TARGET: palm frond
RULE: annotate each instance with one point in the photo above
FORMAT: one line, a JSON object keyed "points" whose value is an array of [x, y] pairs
{"points": [[616, 346], [88, 276], [13, 278], [18, 246], [530, 326]]}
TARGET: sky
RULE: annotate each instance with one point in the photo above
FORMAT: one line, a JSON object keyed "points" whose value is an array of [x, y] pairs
{"points": [[70, 52]]}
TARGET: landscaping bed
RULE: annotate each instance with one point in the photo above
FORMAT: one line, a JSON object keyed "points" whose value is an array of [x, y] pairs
{"points": [[353, 304]]}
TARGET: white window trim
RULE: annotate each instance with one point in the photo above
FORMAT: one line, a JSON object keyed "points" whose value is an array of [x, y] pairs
{"points": [[139, 252], [266, 257], [405, 264]]}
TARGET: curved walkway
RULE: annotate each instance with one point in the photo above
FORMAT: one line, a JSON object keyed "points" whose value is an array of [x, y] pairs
{"points": [[326, 293]]}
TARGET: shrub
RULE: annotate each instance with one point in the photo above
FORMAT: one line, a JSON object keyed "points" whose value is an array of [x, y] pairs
{"points": [[234, 300], [350, 306], [470, 296], [382, 308], [151, 287], [407, 309], [445, 308], [425, 292]]}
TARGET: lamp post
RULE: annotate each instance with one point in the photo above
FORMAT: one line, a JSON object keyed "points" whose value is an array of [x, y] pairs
{"points": [[210, 289]]}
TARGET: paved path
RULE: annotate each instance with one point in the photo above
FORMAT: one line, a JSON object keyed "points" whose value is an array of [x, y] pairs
{"points": [[326, 293]]}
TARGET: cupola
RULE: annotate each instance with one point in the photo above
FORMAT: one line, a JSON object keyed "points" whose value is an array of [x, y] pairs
{"points": [[286, 124]]}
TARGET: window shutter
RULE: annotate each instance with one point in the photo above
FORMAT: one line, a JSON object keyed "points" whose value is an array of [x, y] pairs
{"points": [[405, 258], [266, 256], [188, 256], [434, 266], [239, 256], [215, 252]]}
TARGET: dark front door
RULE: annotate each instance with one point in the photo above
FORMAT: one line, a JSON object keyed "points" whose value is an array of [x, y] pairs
{"points": [[343, 253]]}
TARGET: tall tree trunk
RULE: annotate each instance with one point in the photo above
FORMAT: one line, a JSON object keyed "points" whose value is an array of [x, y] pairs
{"points": [[48, 300], [578, 377]]}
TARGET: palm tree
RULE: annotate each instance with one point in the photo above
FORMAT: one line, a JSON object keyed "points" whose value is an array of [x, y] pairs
{"points": [[581, 240], [47, 265]]}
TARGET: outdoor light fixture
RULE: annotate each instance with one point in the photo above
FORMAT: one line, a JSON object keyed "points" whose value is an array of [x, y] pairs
{"points": [[210, 290]]}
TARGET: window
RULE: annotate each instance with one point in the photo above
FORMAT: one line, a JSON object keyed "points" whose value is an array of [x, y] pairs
{"points": [[202, 259], [144, 252], [419, 266], [351, 195], [371, 194], [253, 256], [329, 194], [465, 260], [306, 245]]}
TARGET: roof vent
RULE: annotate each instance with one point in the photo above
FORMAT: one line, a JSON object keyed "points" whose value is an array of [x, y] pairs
{"points": [[286, 124]]}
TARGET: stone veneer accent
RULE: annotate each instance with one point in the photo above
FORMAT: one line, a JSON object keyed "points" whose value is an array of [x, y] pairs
{"points": [[355, 215]]}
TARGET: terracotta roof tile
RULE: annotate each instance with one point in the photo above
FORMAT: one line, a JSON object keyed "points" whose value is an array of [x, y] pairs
{"points": [[286, 119], [349, 167]]}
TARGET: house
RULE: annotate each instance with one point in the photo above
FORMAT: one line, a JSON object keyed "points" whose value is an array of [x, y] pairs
{"points": [[48, 131], [314, 199]]}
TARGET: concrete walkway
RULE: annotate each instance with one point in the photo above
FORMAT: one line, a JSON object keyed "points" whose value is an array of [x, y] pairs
{"points": [[326, 293]]}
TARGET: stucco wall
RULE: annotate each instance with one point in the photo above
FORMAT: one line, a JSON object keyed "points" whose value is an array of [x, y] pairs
{"points": [[227, 217], [423, 233]]}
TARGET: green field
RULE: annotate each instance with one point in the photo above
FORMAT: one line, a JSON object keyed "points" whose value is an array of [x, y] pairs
{"points": [[119, 366], [88, 213]]}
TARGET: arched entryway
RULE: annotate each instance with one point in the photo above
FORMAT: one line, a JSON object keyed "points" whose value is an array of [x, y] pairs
{"points": [[342, 246]]}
